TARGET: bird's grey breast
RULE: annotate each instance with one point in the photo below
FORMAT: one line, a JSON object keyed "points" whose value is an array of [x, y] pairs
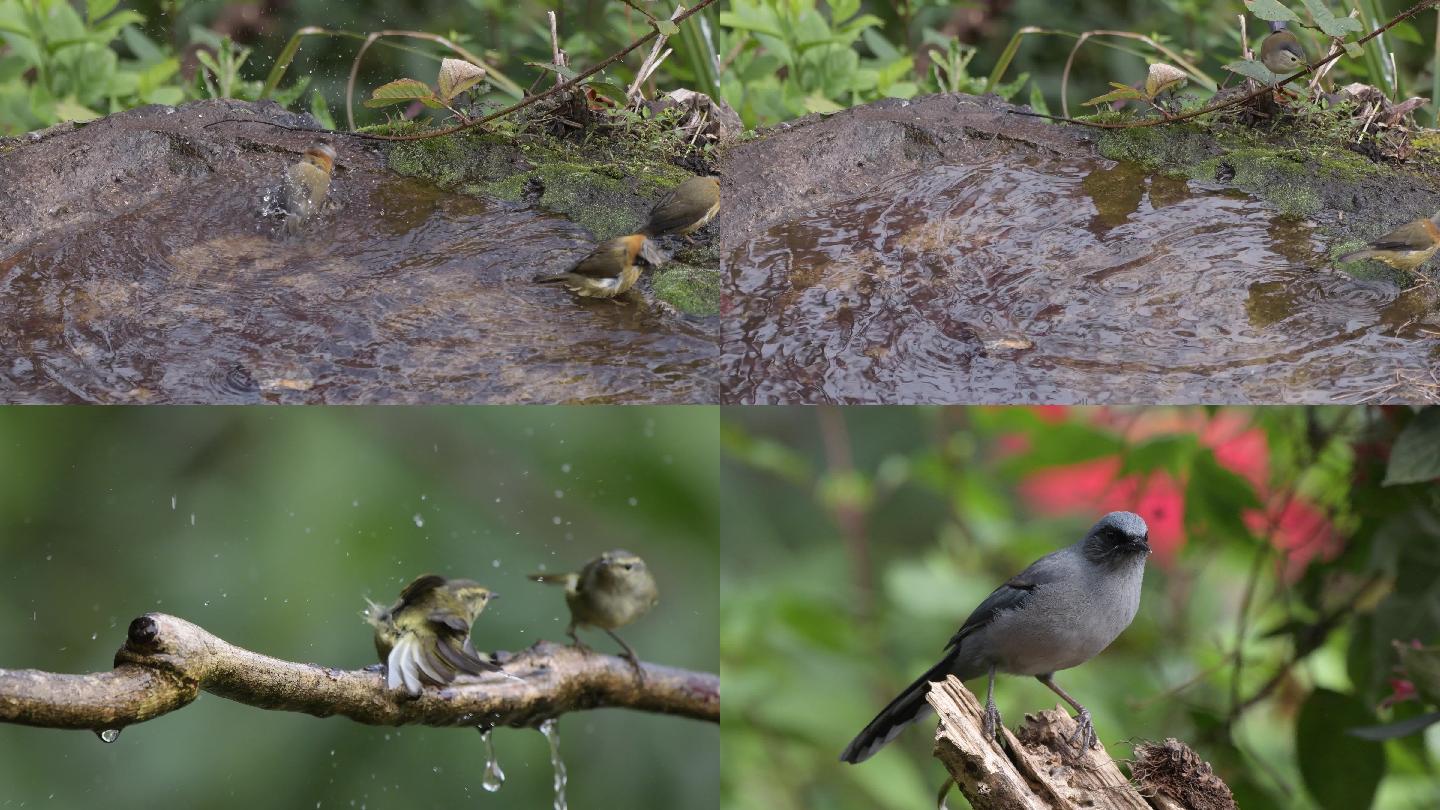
{"points": [[1067, 620]]}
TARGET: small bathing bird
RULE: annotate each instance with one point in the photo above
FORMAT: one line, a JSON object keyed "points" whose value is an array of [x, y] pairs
{"points": [[424, 638], [307, 184], [686, 209], [1281, 53], [606, 272], [610, 592], [1405, 248]]}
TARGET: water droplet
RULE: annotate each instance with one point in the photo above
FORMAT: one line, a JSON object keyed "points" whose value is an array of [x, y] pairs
{"points": [[419, 521], [494, 777], [552, 734], [172, 503], [108, 735]]}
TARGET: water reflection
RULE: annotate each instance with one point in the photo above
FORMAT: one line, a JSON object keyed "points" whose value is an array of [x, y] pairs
{"points": [[397, 294], [1061, 281]]}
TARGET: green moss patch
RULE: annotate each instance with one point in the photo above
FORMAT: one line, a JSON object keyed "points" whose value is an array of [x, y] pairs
{"points": [[690, 289]]}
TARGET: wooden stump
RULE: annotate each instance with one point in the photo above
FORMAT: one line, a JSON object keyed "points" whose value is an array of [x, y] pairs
{"points": [[1039, 770]]}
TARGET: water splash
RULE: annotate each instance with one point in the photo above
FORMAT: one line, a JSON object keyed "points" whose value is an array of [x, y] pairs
{"points": [[108, 735], [552, 734], [494, 777]]}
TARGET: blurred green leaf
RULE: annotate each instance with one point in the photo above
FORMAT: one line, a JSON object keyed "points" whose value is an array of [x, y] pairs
{"points": [[1415, 457], [1340, 771], [1252, 69], [400, 91], [1332, 25], [1271, 10]]}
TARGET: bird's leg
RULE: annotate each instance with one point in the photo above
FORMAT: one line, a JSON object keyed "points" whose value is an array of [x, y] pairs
{"points": [[630, 654], [1084, 728], [992, 714], [579, 645]]}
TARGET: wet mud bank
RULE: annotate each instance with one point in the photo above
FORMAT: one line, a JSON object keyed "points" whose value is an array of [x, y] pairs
{"points": [[137, 265], [943, 250]]}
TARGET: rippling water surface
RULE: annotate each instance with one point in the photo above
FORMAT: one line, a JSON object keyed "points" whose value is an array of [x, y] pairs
{"points": [[398, 293], [1059, 281]]}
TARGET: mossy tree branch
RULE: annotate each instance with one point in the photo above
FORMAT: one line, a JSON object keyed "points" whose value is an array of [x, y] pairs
{"points": [[1038, 770], [166, 662]]}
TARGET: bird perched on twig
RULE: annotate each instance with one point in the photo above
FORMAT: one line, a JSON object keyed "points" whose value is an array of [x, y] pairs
{"points": [[1405, 248], [606, 272], [1058, 613], [1281, 53], [610, 592], [307, 185], [686, 209], [425, 636]]}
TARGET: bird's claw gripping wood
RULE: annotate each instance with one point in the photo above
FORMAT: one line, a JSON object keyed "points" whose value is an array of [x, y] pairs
{"points": [[1085, 732], [992, 720]]}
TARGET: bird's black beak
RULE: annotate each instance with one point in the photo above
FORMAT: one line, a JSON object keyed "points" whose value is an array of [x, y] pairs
{"points": [[1142, 544]]}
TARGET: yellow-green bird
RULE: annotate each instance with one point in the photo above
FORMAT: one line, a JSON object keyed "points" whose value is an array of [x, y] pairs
{"points": [[307, 185], [686, 209], [610, 592], [1405, 248], [606, 272], [425, 636], [1281, 53]]}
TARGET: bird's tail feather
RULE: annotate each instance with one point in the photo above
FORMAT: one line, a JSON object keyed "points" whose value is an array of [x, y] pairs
{"points": [[1357, 255], [905, 709], [555, 279], [567, 580]]}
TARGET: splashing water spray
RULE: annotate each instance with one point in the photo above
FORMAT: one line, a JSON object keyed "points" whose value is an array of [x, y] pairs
{"points": [[552, 734]]}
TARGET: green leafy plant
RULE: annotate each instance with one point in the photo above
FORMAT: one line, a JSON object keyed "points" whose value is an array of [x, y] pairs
{"points": [[59, 65], [791, 59], [456, 77]]}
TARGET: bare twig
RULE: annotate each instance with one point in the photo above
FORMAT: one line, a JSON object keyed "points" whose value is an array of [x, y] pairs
{"points": [[167, 661], [651, 63]]}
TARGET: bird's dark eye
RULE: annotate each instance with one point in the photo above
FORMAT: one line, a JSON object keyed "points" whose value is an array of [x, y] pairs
{"points": [[628, 566]]}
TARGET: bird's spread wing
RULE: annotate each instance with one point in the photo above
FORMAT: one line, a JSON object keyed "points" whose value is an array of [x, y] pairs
{"points": [[422, 585], [448, 624], [1009, 596]]}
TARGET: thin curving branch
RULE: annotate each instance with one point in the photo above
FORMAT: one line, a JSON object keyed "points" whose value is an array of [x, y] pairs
{"points": [[166, 662]]}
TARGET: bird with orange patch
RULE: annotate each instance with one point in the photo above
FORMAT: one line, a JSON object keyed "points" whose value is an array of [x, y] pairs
{"points": [[606, 272], [1405, 248]]}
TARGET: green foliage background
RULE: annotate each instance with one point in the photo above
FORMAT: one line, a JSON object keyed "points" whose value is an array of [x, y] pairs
{"points": [[282, 522], [856, 541]]}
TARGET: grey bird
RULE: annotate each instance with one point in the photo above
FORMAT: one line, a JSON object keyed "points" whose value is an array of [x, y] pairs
{"points": [[1058, 613]]}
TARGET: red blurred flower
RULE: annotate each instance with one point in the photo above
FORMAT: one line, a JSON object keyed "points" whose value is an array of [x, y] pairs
{"points": [[1093, 486], [1299, 530]]}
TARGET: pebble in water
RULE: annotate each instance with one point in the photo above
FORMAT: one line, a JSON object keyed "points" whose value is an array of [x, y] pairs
{"points": [[494, 777], [552, 734], [108, 735]]}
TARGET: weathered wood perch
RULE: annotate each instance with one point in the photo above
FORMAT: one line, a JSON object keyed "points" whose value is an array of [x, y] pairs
{"points": [[167, 661], [1038, 770]]}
